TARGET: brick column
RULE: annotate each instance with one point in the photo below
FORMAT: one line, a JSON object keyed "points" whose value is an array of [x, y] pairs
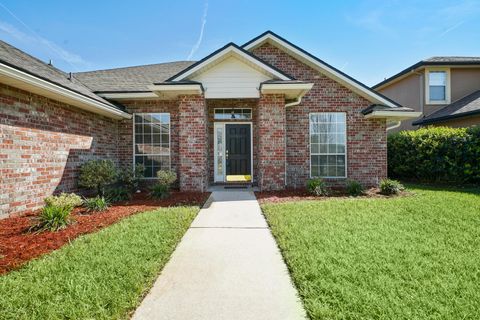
{"points": [[271, 142], [193, 142]]}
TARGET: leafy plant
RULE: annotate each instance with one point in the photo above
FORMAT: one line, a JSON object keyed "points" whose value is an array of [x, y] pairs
{"points": [[165, 179], [390, 187], [53, 218], [130, 178], [354, 188], [317, 187], [437, 154], [116, 194], [96, 204], [97, 174], [64, 200], [160, 191]]}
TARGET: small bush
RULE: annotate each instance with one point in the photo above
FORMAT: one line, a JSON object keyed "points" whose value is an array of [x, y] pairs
{"points": [[317, 187], [117, 194], [96, 204], [64, 200], [97, 174], [354, 188], [390, 187], [166, 177], [160, 191], [130, 178], [53, 218]]}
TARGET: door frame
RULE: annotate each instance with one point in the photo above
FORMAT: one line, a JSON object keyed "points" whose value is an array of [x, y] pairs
{"points": [[222, 124]]}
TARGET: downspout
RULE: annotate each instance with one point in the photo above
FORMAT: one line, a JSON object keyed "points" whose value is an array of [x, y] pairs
{"points": [[296, 102], [396, 124]]}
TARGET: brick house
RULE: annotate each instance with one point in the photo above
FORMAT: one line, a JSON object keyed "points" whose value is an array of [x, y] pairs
{"points": [[267, 112]]}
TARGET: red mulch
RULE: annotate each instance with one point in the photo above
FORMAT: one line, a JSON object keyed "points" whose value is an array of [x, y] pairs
{"points": [[18, 245], [302, 194]]}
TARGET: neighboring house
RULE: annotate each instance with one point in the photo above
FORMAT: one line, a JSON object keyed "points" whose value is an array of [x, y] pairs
{"points": [[444, 89], [267, 112]]}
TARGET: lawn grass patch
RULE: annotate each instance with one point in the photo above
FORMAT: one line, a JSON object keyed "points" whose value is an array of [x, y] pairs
{"points": [[98, 276], [413, 257]]}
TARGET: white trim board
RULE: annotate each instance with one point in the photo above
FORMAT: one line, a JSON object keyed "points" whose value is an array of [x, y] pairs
{"points": [[30, 83], [322, 67]]}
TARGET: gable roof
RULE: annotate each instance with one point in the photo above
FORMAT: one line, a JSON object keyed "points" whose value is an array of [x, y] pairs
{"points": [[433, 61], [131, 79], [464, 107], [229, 49], [17, 66], [322, 66]]}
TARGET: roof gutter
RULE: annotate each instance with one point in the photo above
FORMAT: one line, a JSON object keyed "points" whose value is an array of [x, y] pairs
{"points": [[31, 83]]}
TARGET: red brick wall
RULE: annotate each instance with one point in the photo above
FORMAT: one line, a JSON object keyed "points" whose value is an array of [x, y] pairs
{"points": [[271, 125], [193, 143], [42, 144], [366, 139], [125, 147]]}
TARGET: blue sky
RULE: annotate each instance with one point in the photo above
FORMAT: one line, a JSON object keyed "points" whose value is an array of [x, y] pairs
{"points": [[369, 40]]}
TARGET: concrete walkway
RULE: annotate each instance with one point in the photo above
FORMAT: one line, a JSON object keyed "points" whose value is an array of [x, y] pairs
{"points": [[227, 266]]}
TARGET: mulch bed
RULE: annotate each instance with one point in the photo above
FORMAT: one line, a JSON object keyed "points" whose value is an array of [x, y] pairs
{"points": [[302, 194], [18, 245]]}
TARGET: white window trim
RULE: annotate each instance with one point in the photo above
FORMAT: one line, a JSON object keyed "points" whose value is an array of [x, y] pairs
{"points": [[447, 87], [310, 145], [169, 140], [238, 108]]}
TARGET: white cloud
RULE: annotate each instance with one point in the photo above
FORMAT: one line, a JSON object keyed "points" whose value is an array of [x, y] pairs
{"points": [[200, 37]]}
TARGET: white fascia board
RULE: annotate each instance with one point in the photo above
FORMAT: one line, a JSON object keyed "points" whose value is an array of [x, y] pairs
{"points": [[290, 90], [128, 95], [228, 51], [397, 115], [373, 97], [177, 88], [28, 82]]}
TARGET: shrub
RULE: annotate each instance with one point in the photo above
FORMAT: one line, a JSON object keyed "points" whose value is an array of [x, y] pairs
{"points": [[159, 191], [116, 194], [130, 178], [317, 187], [165, 179], [53, 218], [435, 154], [96, 204], [97, 174], [354, 188], [390, 187], [64, 200]]}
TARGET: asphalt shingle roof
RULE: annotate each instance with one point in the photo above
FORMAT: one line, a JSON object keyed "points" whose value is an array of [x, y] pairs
{"points": [[20, 60], [131, 79], [454, 59], [465, 106]]}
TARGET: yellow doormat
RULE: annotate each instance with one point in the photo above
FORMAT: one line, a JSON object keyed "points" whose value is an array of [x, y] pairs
{"points": [[239, 178]]}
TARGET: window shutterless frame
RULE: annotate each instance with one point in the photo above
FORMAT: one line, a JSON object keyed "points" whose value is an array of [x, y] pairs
{"points": [[169, 139], [216, 112], [447, 86], [310, 145]]}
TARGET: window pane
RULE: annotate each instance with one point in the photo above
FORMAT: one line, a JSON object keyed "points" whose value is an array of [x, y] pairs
{"points": [[152, 135], [437, 93], [328, 144], [233, 114], [437, 78]]}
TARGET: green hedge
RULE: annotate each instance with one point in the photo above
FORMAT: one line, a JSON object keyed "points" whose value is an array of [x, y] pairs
{"points": [[435, 154]]}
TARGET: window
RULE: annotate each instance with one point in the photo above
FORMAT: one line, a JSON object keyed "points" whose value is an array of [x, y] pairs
{"points": [[152, 142], [233, 114], [437, 86], [328, 145]]}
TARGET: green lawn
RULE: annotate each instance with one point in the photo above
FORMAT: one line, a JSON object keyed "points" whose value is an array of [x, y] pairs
{"points": [[414, 257], [98, 276]]}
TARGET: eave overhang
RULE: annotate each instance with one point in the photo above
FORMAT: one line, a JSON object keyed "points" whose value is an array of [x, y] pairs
{"points": [[290, 90], [171, 90]]}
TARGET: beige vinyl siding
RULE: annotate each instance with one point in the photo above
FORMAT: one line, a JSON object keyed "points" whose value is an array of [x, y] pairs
{"points": [[231, 78]]}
